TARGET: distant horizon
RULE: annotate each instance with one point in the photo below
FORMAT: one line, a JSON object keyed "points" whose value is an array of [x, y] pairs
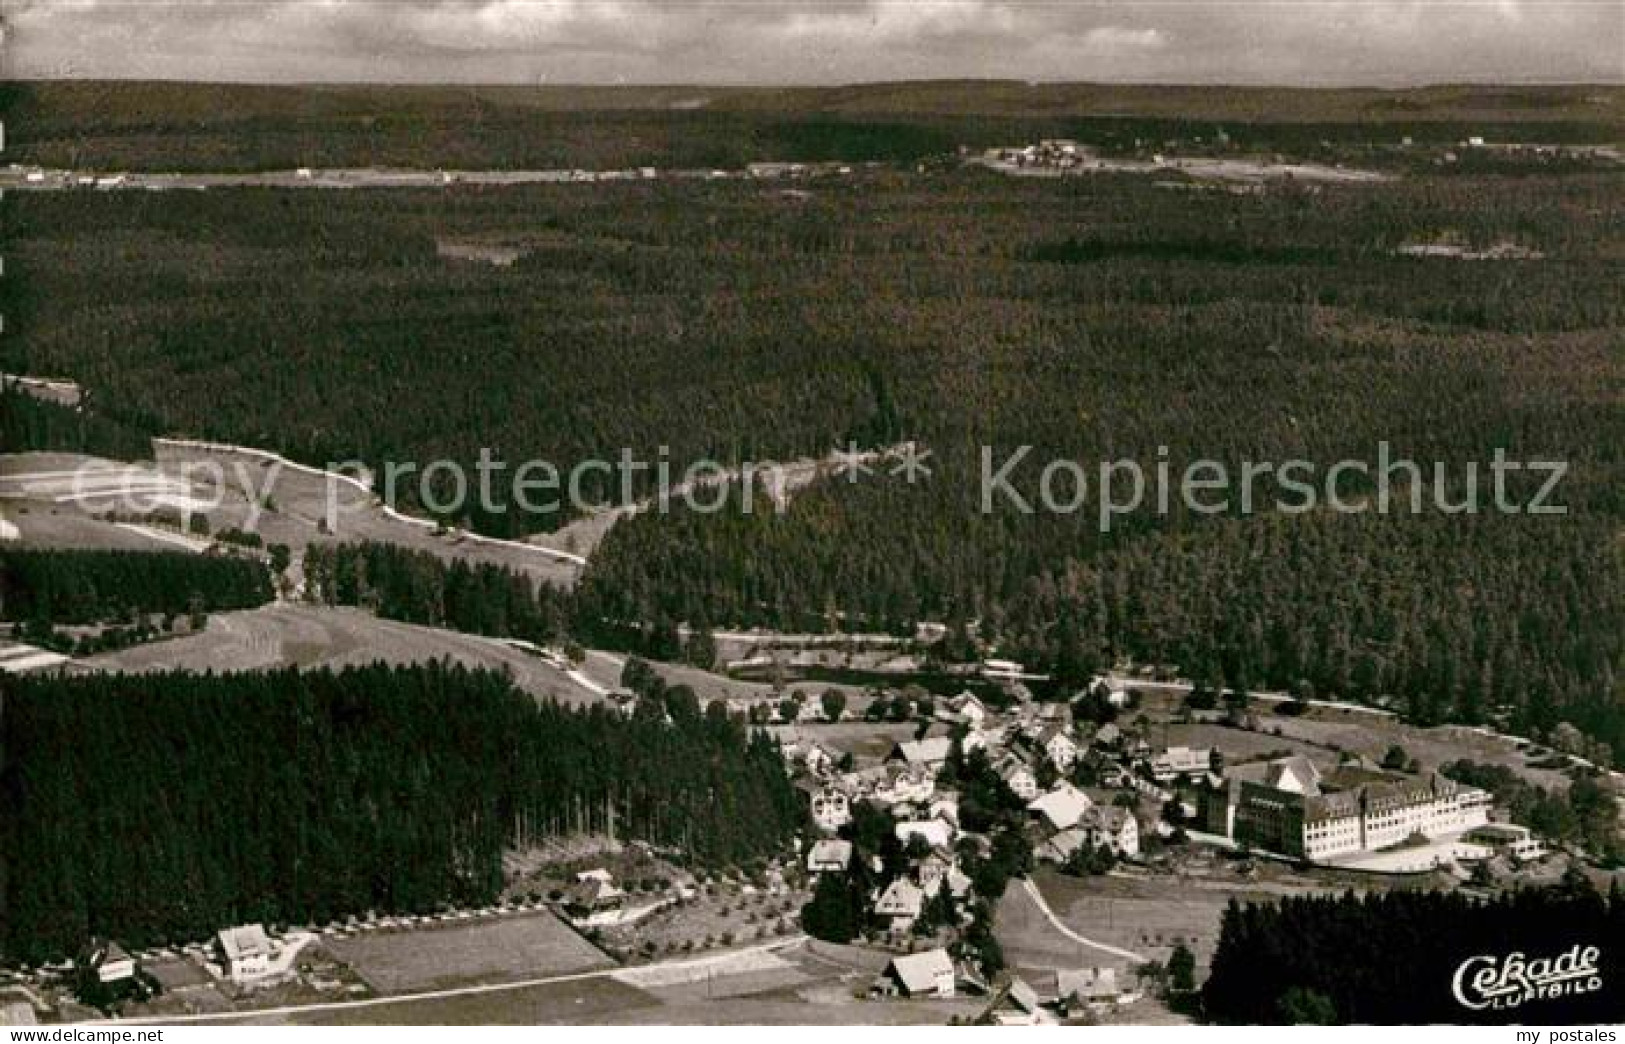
{"points": [[1328, 44], [1425, 85]]}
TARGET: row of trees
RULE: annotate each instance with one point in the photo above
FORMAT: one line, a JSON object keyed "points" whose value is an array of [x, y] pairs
{"points": [[88, 587], [422, 588], [28, 423], [157, 808], [1390, 958], [722, 322]]}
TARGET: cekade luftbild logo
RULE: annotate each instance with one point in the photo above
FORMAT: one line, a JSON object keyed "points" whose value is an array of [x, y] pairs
{"points": [[1499, 983]]}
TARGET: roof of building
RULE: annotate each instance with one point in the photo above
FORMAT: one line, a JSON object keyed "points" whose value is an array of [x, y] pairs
{"points": [[902, 898], [936, 832], [1054, 732], [829, 853], [595, 890], [919, 972], [1012, 767], [247, 940], [1086, 983], [1062, 807], [1022, 995], [926, 751], [1061, 846]]}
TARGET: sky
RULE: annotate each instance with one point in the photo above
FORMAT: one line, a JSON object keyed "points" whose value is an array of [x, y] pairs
{"points": [[1287, 42]]}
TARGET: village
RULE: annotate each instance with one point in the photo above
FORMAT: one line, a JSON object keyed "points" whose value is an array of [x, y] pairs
{"points": [[1122, 783], [982, 857]]}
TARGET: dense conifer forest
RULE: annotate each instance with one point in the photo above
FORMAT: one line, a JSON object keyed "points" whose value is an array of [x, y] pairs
{"points": [[1091, 318], [418, 587], [28, 423], [292, 797], [1389, 958], [86, 587]]}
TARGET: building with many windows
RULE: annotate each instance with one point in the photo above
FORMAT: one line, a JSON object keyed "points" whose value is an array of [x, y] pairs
{"points": [[1289, 806]]}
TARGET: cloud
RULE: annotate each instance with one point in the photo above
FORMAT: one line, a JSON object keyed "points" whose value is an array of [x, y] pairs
{"points": [[821, 41]]}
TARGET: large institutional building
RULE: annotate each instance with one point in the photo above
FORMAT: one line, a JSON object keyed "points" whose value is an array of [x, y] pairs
{"points": [[1289, 806]]}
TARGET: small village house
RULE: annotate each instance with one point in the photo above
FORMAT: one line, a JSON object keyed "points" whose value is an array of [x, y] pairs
{"points": [[926, 974], [829, 856], [245, 952]]}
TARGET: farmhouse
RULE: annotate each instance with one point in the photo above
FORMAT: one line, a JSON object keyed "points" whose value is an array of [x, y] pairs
{"points": [[1115, 828], [1088, 988], [112, 963], [1057, 745], [1061, 808], [927, 974], [902, 901], [930, 753], [594, 892], [1180, 761], [1017, 1005], [245, 952]]}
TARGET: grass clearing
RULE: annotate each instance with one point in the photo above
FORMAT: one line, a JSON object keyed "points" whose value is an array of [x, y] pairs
{"points": [[307, 636], [506, 949]]}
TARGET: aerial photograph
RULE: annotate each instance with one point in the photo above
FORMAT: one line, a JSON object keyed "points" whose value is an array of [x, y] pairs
{"points": [[812, 513]]}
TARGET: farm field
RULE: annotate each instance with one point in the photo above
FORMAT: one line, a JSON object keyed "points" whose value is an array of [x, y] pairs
{"points": [[507, 949], [570, 1003], [294, 503], [309, 636], [33, 492], [1145, 915]]}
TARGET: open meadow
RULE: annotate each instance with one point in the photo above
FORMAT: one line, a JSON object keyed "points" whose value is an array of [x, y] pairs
{"points": [[508, 949], [290, 635]]}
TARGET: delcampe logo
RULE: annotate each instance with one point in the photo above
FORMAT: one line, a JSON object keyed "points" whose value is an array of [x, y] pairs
{"points": [[1502, 983]]}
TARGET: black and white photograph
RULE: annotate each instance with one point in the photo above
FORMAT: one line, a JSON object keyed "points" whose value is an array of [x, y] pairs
{"points": [[860, 514]]}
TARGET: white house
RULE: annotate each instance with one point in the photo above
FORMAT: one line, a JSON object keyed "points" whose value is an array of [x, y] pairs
{"points": [[1058, 747], [245, 952], [1114, 827], [1019, 778], [831, 809], [1180, 761], [911, 785], [902, 901], [113, 964]]}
